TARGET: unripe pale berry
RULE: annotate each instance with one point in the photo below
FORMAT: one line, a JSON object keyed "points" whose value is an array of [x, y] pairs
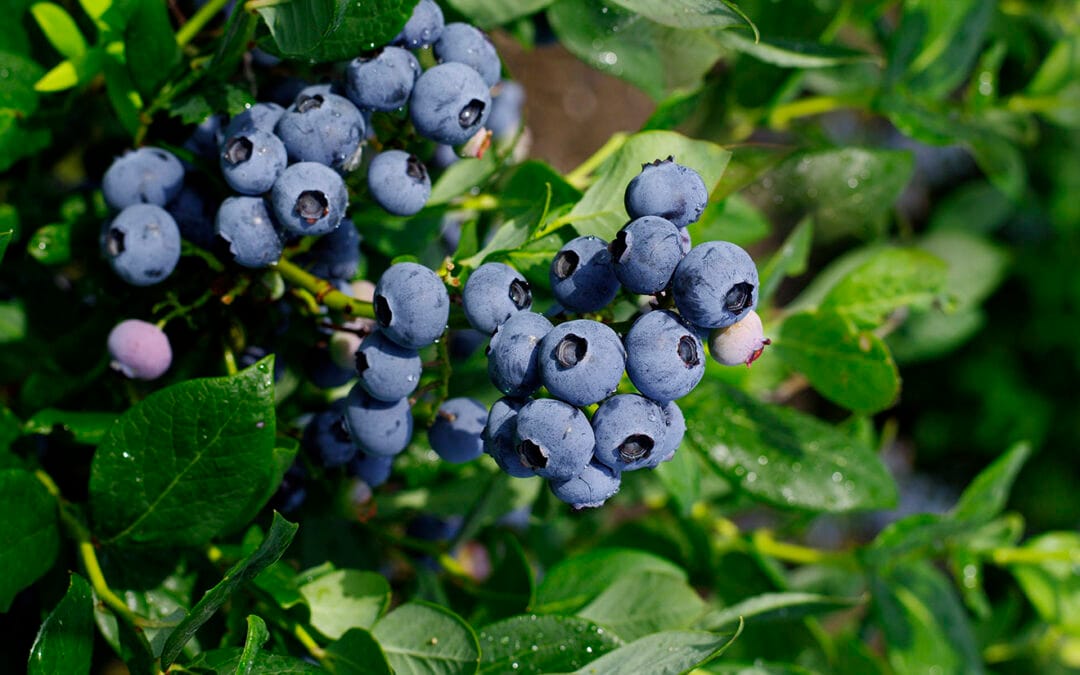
{"points": [[741, 342], [139, 350]]}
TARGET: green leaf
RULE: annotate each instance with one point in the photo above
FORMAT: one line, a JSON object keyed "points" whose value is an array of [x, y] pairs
{"points": [[510, 588], [1052, 585], [10, 430], [179, 466], [542, 644], [277, 540], [150, 47], [51, 244], [601, 211], [681, 476], [848, 366], [734, 219], [688, 14], [788, 261], [257, 635], [949, 37], [913, 534], [655, 58], [5, 239], [85, 427], [17, 88], [333, 30], [782, 456], [758, 667], [985, 497], [647, 602], [357, 653], [775, 607], [120, 88], [577, 581], [59, 28], [272, 473], [976, 266], [65, 642], [487, 14], [226, 661], [12, 321], [462, 176], [29, 536], [793, 53], [421, 638], [893, 278], [345, 599], [300, 26], [667, 653]]}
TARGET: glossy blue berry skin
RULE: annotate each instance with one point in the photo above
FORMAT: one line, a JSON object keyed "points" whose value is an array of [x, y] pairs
{"points": [[465, 43], [450, 102], [411, 305], [715, 285], [506, 105], [424, 26], [246, 224], [142, 176], [382, 81], [499, 437], [323, 371], [309, 198], [581, 361], [644, 254], [142, 244], [669, 190], [196, 223], [664, 356], [327, 437], [263, 116], [378, 427], [324, 128], [553, 438], [513, 353], [582, 276], [590, 489], [456, 435], [335, 256], [388, 371], [676, 429], [399, 182], [372, 469], [493, 293], [252, 160], [629, 431]]}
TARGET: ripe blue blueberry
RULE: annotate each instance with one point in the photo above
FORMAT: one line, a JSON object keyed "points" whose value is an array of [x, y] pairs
{"points": [[262, 116], [581, 361], [499, 437], [715, 285], [450, 102], [323, 128], [411, 305], [669, 190], [424, 26], [456, 435], [327, 437], [252, 160], [142, 176], [399, 182], [378, 427], [581, 275], [189, 210], [387, 370], [629, 431], [495, 292], [309, 198], [372, 469], [323, 371], [465, 43], [553, 438], [506, 104], [664, 357], [513, 353], [382, 80], [205, 139], [676, 429], [336, 254], [246, 224], [142, 243], [139, 350], [645, 253], [591, 488]]}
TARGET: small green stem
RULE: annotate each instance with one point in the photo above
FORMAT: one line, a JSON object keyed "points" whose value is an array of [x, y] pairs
{"points": [[1032, 556], [230, 361], [780, 117], [309, 642], [764, 543], [579, 177], [199, 20], [323, 290]]}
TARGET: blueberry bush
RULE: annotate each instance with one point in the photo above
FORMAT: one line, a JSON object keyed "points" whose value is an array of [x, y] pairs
{"points": [[311, 361]]}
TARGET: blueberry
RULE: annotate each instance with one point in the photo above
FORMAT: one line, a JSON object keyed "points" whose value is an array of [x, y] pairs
{"points": [[715, 285], [645, 253], [630, 432], [189, 211], [292, 493], [499, 437], [139, 350], [336, 254], [493, 293], [513, 353], [324, 128], [463, 342], [582, 277], [372, 469], [581, 361], [675, 424], [143, 176], [457, 432], [669, 190], [382, 80], [450, 102], [309, 198], [664, 358], [252, 160], [387, 370], [505, 118], [465, 43], [142, 243], [399, 182], [411, 305], [262, 116], [206, 139], [739, 343], [324, 372], [553, 438], [591, 488], [246, 224], [327, 437], [378, 427], [424, 26]]}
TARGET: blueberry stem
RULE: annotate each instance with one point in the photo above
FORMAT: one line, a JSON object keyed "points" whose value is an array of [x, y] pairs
{"points": [[323, 290], [579, 177]]}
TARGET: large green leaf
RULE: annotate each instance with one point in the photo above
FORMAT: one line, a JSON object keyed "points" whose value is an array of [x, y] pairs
{"points": [[357, 653], [345, 599], [150, 47], [333, 30], [422, 638], [949, 36], [577, 581], [733, 219], [490, 13], [85, 427], [893, 278], [17, 86], [985, 497], [179, 466], [59, 28], [645, 602], [542, 644], [225, 662], [689, 14], [257, 635], [782, 456], [788, 53], [1052, 585], [788, 261], [29, 535], [775, 607], [65, 642], [667, 653]]}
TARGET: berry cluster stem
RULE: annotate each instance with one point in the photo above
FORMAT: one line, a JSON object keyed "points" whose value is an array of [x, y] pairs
{"points": [[323, 290]]}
